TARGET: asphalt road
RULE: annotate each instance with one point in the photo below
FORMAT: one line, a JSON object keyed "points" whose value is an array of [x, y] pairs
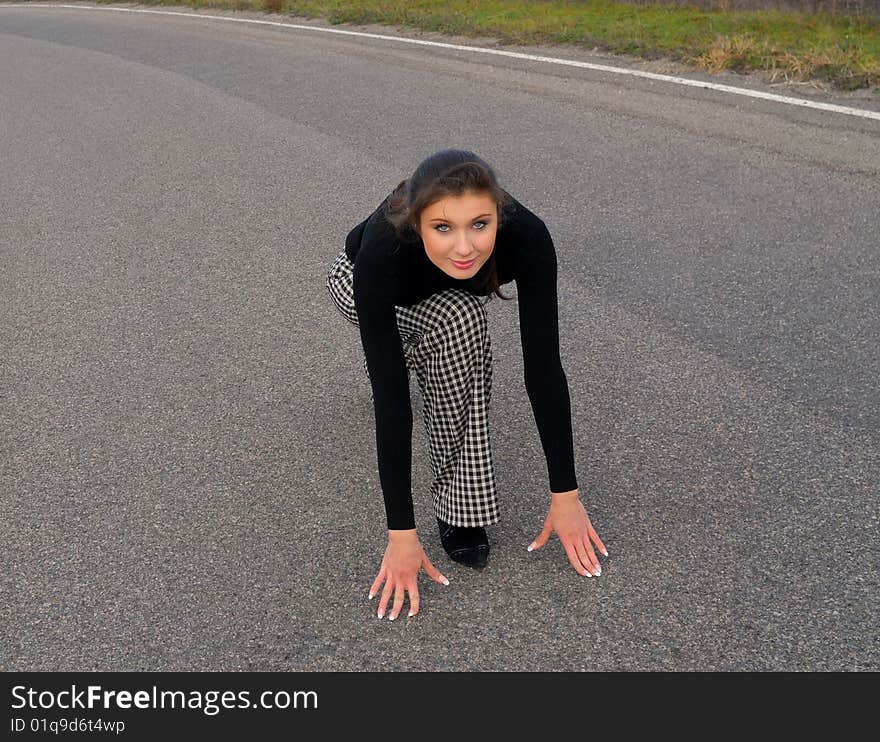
{"points": [[187, 454]]}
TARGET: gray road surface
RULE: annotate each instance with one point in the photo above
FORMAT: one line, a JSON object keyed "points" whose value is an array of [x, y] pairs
{"points": [[187, 454]]}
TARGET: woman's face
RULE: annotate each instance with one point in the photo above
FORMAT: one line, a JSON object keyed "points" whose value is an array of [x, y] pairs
{"points": [[459, 232]]}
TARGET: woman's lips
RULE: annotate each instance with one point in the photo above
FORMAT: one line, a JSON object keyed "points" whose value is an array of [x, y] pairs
{"points": [[464, 266]]}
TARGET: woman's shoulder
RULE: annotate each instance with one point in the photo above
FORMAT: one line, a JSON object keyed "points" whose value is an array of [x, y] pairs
{"points": [[517, 218], [527, 248], [381, 257]]}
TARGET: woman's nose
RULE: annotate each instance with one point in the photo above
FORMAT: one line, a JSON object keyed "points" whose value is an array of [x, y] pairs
{"points": [[464, 248]]}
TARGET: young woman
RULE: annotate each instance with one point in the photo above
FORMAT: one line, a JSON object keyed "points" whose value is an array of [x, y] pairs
{"points": [[410, 278]]}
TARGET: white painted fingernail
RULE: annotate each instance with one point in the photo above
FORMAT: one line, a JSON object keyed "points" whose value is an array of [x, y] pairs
{"points": [[589, 574], [372, 595], [379, 615], [605, 553], [410, 614], [445, 581], [531, 546], [391, 617]]}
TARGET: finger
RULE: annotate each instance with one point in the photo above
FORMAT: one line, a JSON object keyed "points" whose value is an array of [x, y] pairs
{"points": [[595, 537], [542, 537], [377, 583], [585, 554], [591, 555], [399, 592], [386, 596], [575, 560], [413, 599], [433, 572]]}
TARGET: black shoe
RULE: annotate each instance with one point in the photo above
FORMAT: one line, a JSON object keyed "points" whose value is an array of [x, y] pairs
{"points": [[468, 545]]}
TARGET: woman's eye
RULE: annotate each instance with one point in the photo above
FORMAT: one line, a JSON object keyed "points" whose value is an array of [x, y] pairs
{"points": [[444, 227]]}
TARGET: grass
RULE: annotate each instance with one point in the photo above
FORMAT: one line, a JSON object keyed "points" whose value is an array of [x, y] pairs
{"points": [[842, 50]]}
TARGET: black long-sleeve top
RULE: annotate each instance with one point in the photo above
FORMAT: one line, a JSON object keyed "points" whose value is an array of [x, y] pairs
{"points": [[390, 271]]}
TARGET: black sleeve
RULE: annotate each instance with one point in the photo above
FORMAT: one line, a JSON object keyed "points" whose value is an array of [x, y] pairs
{"points": [[353, 239], [545, 380], [356, 235], [375, 276]]}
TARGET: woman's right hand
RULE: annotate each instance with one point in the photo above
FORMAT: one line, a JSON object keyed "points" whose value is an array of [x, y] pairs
{"points": [[404, 557]]}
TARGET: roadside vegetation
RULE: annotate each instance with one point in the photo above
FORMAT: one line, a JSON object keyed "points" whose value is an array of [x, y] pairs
{"points": [[835, 41]]}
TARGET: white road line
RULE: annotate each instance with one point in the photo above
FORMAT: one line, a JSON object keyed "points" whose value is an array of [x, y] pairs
{"points": [[499, 52]]}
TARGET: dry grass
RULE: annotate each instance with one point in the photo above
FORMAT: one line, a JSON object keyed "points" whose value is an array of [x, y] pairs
{"points": [[741, 53]]}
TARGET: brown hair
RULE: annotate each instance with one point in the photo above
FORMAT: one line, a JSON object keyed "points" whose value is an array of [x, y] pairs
{"points": [[448, 172]]}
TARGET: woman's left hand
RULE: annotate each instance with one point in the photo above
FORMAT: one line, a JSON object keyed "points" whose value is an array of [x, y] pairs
{"points": [[568, 519]]}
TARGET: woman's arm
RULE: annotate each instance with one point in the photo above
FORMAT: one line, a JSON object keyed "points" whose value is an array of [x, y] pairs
{"points": [[547, 388], [376, 278], [545, 380], [374, 294]]}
